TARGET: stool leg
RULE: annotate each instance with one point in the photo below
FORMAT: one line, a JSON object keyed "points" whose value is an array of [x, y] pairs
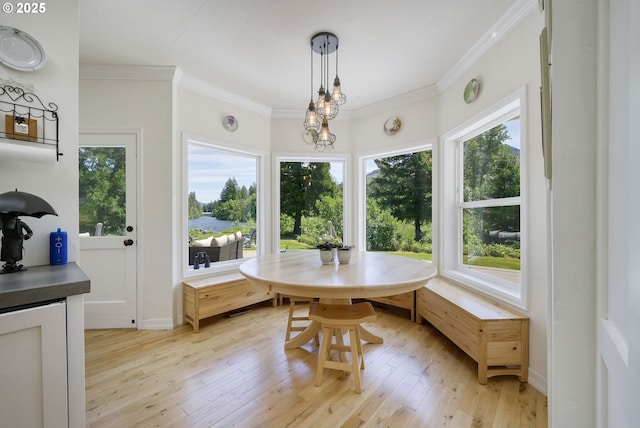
{"points": [[340, 342], [360, 350], [325, 348], [355, 357], [290, 320], [293, 318]]}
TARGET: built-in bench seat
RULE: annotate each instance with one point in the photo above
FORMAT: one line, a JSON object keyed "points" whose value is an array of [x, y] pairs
{"points": [[495, 337], [213, 295]]}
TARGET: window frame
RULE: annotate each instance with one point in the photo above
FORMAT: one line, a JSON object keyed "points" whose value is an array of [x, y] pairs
{"points": [[278, 158], [232, 149], [453, 204]]}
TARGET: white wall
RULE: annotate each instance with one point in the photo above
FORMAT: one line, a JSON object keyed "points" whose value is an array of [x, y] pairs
{"points": [[36, 171], [144, 105], [201, 114], [572, 353], [419, 125]]}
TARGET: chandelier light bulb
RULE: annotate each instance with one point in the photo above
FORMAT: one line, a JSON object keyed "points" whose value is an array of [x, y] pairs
{"points": [[325, 137], [337, 94], [329, 107], [311, 120]]}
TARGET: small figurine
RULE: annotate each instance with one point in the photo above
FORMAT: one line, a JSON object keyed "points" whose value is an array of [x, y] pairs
{"points": [[14, 231]]}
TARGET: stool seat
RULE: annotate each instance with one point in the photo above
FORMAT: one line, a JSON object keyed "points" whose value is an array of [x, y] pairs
{"points": [[342, 314], [335, 320]]}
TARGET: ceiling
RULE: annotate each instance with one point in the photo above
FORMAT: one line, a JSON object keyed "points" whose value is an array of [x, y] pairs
{"points": [[260, 50]]}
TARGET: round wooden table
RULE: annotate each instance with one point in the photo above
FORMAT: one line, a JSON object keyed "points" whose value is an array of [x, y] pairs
{"points": [[368, 274]]}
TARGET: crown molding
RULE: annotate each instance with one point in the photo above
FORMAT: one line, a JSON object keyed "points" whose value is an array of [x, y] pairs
{"points": [[208, 89], [127, 72], [514, 15], [397, 101], [378, 107], [298, 113]]}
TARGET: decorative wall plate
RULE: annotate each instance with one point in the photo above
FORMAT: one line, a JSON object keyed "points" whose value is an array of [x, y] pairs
{"points": [[20, 51], [392, 125], [230, 123], [310, 137], [471, 91]]}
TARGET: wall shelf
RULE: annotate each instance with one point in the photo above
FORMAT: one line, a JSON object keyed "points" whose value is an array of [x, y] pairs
{"points": [[27, 119]]}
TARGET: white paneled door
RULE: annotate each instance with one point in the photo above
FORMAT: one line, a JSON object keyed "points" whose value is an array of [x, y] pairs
{"points": [[619, 281], [108, 230]]}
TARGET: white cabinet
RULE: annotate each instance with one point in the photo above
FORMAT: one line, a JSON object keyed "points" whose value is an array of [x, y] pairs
{"points": [[33, 367]]}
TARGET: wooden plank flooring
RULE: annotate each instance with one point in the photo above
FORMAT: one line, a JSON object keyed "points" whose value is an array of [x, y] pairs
{"points": [[235, 372]]}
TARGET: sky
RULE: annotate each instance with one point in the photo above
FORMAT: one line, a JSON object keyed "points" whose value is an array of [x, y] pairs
{"points": [[209, 170], [513, 128]]}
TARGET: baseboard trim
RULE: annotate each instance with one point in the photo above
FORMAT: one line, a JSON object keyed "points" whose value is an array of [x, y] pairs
{"points": [[157, 324]]}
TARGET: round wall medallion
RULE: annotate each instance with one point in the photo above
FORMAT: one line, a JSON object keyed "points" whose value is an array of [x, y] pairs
{"points": [[471, 91], [392, 125], [230, 123], [310, 137]]}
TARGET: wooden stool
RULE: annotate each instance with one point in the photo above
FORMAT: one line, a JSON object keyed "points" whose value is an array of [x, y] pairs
{"points": [[335, 319], [295, 319]]}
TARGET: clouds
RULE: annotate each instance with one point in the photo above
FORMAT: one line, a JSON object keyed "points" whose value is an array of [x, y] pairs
{"points": [[209, 170]]}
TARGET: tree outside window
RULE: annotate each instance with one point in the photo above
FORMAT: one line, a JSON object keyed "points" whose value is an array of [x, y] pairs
{"points": [[399, 204], [310, 196]]}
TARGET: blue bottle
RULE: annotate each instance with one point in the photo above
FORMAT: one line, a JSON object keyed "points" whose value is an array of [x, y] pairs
{"points": [[58, 247]]}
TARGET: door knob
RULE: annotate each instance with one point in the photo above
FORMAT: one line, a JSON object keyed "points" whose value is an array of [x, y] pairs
{"points": [[128, 242]]}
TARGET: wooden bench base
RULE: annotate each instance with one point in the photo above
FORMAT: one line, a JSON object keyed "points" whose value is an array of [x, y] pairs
{"points": [[496, 338], [206, 297]]}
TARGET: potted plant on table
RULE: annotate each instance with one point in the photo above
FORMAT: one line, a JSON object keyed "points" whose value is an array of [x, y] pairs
{"points": [[344, 254], [327, 249]]}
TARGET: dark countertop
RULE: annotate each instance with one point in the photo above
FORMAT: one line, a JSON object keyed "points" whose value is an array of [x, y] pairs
{"points": [[42, 284]]}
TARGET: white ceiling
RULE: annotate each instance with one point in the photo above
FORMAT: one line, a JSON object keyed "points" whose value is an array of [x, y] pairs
{"points": [[259, 50]]}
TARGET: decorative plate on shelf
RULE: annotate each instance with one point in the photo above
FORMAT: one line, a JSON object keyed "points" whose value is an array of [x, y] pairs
{"points": [[20, 51], [471, 91], [392, 125], [230, 123], [310, 137]]}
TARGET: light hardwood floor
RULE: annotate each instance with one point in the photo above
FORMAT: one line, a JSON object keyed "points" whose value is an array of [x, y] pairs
{"points": [[235, 372]]}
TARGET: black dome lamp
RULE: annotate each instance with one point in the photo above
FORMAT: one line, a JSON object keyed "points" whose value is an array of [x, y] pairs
{"points": [[14, 231]]}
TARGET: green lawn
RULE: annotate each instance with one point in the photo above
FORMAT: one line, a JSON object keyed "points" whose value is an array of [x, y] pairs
{"points": [[292, 244], [494, 262]]}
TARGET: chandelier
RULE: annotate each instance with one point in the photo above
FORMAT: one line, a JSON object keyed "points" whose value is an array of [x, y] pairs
{"points": [[316, 121]]}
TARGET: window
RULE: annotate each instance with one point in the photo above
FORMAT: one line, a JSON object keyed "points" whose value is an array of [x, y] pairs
{"points": [[222, 203], [311, 193], [482, 223], [399, 196], [102, 191]]}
